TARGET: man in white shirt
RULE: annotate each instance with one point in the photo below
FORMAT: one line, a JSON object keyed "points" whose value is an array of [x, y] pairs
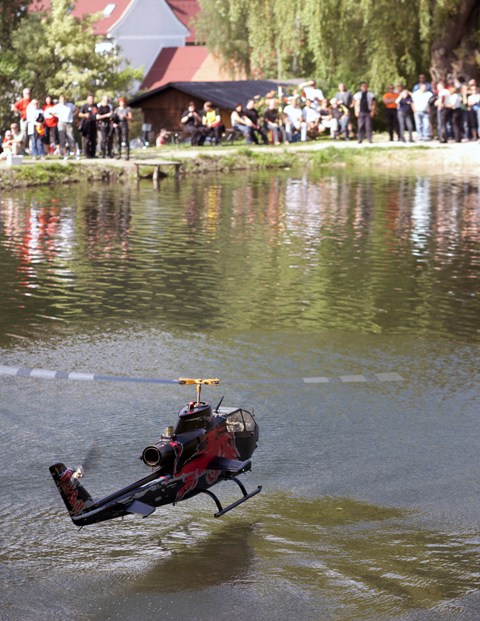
{"points": [[294, 123], [311, 91], [310, 116], [35, 126], [65, 113], [421, 97]]}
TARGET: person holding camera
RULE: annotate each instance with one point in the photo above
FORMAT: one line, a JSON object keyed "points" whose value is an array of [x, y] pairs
{"points": [[191, 121]]}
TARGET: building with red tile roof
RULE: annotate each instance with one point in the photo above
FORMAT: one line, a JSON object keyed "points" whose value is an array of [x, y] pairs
{"points": [[186, 11], [141, 28], [157, 35], [192, 63]]}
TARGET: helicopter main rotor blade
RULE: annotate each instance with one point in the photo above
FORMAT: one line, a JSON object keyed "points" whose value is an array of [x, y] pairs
{"points": [[75, 375], [99, 377]]}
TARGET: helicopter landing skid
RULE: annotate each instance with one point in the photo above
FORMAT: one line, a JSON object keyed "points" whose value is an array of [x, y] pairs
{"points": [[221, 511]]}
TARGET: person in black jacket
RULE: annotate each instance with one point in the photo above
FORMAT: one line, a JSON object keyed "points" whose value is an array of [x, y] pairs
{"points": [[192, 125], [257, 127], [104, 123], [88, 127]]}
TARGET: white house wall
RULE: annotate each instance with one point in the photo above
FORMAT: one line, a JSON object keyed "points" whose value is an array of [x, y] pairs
{"points": [[145, 28]]}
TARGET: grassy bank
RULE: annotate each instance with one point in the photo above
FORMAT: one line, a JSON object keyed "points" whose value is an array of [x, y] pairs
{"points": [[431, 159], [58, 173], [434, 159]]}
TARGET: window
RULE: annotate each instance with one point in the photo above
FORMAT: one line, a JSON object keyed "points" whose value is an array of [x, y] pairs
{"points": [[108, 10]]}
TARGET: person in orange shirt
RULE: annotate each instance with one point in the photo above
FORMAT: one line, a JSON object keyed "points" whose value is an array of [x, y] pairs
{"points": [[389, 99]]}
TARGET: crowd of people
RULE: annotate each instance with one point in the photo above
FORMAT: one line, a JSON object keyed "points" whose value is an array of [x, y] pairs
{"points": [[51, 127], [444, 110]]}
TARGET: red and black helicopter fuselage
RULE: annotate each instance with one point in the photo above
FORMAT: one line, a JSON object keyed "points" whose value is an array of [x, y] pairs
{"points": [[205, 448]]}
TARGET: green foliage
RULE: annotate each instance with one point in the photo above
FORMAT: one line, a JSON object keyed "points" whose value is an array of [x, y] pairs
{"points": [[64, 59], [244, 151], [11, 12], [222, 26], [45, 174], [54, 53], [331, 40]]}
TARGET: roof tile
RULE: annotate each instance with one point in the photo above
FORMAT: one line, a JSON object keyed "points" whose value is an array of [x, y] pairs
{"points": [[183, 64]]}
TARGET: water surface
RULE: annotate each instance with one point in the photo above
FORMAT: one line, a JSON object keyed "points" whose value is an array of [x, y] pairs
{"points": [[369, 508]]}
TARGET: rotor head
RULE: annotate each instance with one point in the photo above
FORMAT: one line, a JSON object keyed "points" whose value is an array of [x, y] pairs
{"points": [[198, 383]]}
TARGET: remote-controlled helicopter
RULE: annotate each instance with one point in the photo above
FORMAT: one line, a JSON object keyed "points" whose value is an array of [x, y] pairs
{"points": [[205, 447]]}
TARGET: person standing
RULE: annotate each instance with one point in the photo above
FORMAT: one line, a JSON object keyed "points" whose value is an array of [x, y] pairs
{"points": [[456, 112], [365, 104], [345, 97], [65, 112], [422, 81], [310, 90], [35, 129], [404, 111], [420, 106], [444, 111], [51, 126], [473, 102], [390, 101], [88, 127], [104, 122], [121, 122], [433, 112]]}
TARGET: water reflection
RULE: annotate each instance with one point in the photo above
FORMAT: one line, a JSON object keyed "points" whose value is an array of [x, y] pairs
{"points": [[363, 555], [360, 560], [329, 252], [105, 229], [189, 566]]}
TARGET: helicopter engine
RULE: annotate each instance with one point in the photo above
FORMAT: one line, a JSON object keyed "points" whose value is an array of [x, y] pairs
{"points": [[172, 450], [192, 421], [162, 453]]}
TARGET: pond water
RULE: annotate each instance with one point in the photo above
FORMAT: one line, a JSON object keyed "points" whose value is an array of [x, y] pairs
{"points": [[370, 502]]}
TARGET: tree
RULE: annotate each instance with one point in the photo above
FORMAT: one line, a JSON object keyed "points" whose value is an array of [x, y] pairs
{"points": [[11, 12], [224, 31], [455, 41], [377, 40], [54, 52]]}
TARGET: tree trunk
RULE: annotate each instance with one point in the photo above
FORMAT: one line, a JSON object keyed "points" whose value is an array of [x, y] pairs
{"points": [[454, 49]]}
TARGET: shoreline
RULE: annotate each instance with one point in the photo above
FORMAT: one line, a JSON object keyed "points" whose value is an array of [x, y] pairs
{"points": [[433, 158]]}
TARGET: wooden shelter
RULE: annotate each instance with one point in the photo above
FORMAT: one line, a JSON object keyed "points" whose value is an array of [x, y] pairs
{"points": [[162, 107]]}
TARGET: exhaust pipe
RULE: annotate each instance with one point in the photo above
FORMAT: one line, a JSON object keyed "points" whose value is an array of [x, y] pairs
{"points": [[158, 454]]}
